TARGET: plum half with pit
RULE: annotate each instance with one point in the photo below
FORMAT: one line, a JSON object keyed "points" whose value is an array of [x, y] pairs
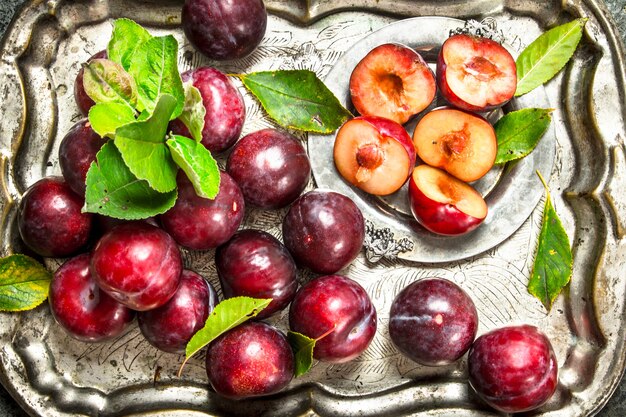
{"points": [[77, 151], [324, 231], [224, 29], [392, 81], [338, 311], [475, 73], [200, 223], [172, 325], [50, 220], [461, 143], [374, 154], [137, 264], [271, 167], [79, 306], [433, 321], [225, 109], [443, 204], [513, 369], [250, 360], [255, 264]]}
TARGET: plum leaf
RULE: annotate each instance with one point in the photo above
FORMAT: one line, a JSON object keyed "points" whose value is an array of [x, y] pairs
{"points": [[112, 190], [297, 99], [302, 347], [126, 38], [547, 55], [154, 66], [105, 118], [552, 269], [519, 132], [193, 112], [198, 163], [24, 283], [143, 149], [227, 315], [106, 81]]}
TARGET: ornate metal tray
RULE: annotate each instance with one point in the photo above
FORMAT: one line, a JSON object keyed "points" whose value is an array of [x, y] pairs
{"points": [[52, 375]]}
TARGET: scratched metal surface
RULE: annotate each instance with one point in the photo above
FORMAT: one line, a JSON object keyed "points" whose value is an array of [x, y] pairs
{"points": [[53, 375]]}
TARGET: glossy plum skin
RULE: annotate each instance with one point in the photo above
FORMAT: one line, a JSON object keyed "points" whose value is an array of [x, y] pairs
{"points": [[77, 151], [440, 217], [255, 264], [335, 304], [251, 360], [271, 167], [81, 308], [324, 231], [172, 325], [225, 109], [199, 223], [50, 221], [83, 101], [222, 29], [433, 322], [513, 369], [137, 264]]}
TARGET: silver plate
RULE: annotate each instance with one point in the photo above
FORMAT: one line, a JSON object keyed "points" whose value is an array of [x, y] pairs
{"points": [[52, 375], [511, 192]]}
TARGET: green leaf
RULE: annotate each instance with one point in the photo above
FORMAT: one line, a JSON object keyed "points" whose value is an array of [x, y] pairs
{"points": [[126, 38], [227, 315], [546, 55], [198, 164], [105, 118], [297, 100], [142, 145], [302, 347], [114, 191], [155, 68], [24, 283], [106, 81], [552, 269], [193, 112], [519, 132]]}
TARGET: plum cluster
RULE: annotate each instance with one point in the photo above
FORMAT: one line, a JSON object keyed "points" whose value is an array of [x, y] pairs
{"points": [[118, 270], [393, 84], [434, 322]]}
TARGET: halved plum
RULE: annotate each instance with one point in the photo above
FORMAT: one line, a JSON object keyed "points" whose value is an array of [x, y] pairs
{"points": [[461, 143], [374, 154], [392, 81], [443, 204], [475, 73]]}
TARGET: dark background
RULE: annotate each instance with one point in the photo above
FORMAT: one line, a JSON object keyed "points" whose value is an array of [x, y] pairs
{"points": [[616, 406]]}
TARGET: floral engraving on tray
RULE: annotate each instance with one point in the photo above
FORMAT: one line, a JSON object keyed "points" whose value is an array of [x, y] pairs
{"points": [[487, 28], [381, 243]]}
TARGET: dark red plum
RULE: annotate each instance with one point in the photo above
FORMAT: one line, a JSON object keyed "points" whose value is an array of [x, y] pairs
{"points": [[77, 151], [513, 369], [255, 264], [137, 264], [224, 29], [324, 231], [81, 308], [225, 109], [83, 101], [199, 223], [172, 325], [50, 220], [339, 305], [251, 360], [271, 167], [433, 322]]}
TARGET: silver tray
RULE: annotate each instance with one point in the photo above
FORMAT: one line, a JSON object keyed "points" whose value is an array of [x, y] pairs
{"points": [[52, 375]]}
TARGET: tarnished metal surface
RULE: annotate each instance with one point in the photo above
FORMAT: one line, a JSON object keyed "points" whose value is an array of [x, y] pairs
{"points": [[52, 375]]}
